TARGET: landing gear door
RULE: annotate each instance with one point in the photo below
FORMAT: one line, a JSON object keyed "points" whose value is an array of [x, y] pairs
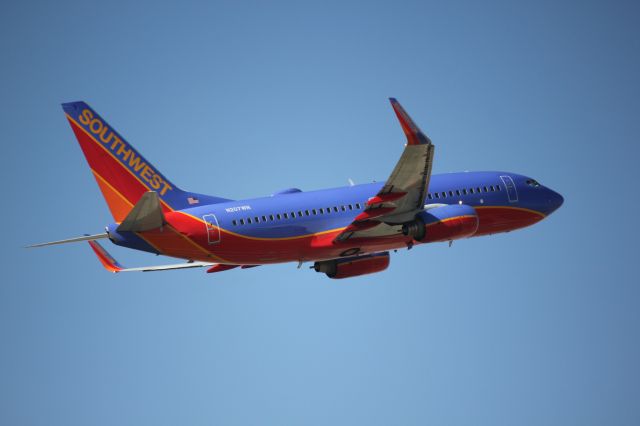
{"points": [[512, 193], [213, 229]]}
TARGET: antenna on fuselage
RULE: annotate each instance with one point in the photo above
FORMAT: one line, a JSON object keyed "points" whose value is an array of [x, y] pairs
{"points": [[351, 183]]}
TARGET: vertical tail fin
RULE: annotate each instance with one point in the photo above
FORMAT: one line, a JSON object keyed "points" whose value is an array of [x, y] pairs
{"points": [[122, 173]]}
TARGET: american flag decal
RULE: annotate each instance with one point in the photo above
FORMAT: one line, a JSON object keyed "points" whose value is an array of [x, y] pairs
{"points": [[193, 200]]}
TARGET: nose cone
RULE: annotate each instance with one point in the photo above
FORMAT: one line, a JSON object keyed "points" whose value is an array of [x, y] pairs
{"points": [[554, 201]]}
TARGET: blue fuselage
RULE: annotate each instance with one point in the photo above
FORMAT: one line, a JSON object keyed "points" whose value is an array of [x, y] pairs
{"points": [[299, 213]]}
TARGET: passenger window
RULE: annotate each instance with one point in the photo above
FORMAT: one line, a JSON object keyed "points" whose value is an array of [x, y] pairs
{"points": [[470, 190], [306, 212], [321, 210], [492, 188], [241, 221], [478, 188], [293, 215], [350, 207], [444, 194], [264, 218], [343, 208], [271, 217], [257, 219], [458, 192], [498, 187], [278, 216], [249, 220], [286, 216], [358, 206], [328, 210], [429, 196], [335, 209], [450, 193], [234, 222], [485, 189], [314, 212]]}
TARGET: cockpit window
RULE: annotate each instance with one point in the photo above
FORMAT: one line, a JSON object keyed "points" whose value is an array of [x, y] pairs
{"points": [[532, 182]]}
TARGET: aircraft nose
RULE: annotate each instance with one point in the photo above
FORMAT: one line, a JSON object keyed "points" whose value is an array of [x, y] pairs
{"points": [[554, 200]]}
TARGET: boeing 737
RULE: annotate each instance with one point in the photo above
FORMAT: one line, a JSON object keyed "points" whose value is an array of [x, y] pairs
{"points": [[345, 232]]}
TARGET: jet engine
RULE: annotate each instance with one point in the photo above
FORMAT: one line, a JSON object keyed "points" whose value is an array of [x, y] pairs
{"points": [[353, 266], [445, 223]]}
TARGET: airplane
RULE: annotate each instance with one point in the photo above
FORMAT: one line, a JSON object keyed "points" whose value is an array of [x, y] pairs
{"points": [[346, 232]]}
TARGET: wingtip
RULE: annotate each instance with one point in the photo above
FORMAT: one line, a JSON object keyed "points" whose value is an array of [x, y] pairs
{"points": [[411, 130], [402, 115], [109, 263]]}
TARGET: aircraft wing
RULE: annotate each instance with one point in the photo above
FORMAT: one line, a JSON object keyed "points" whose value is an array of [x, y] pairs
{"points": [[112, 265], [403, 194]]}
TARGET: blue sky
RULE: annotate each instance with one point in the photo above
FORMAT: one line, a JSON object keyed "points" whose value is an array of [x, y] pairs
{"points": [[534, 327]]}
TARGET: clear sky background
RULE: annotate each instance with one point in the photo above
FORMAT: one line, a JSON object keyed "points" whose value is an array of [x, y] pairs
{"points": [[240, 99]]}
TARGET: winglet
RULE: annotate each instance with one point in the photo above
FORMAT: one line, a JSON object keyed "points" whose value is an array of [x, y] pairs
{"points": [[413, 132], [109, 263]]}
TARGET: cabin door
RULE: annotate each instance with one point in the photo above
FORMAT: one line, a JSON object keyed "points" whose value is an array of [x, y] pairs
{"points": [[213, 229], [512, 193]]}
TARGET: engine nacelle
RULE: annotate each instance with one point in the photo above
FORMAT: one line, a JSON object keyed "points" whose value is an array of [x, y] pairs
{"points": [[353, 266], [415, 229], [445, 223]]}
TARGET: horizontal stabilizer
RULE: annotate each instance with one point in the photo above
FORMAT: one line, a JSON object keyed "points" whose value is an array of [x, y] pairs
{"points": [[112, 265], [145, 215], [72, 240]]}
